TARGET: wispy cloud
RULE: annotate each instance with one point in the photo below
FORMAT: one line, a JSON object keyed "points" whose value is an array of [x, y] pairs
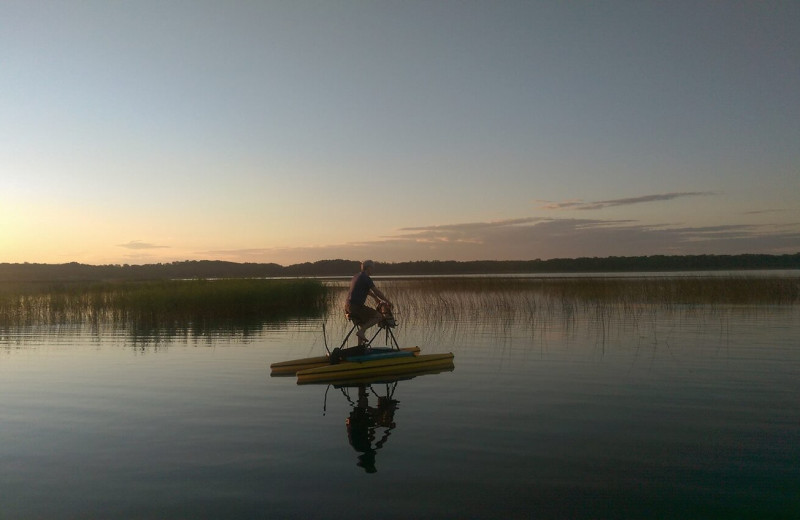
{"points": [[549, 238], [763, 212], [579, 204], [138, 245], [472, 226], [533, 237]]}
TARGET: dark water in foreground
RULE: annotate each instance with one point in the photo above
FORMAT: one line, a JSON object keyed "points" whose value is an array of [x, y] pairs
{"points": [[683, 413]]}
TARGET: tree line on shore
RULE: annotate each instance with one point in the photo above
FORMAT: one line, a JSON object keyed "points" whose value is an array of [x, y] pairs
{"points": [[28, 272]]}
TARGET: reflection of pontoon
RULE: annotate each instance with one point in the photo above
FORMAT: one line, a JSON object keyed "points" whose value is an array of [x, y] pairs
{"points": [[365, 362]]}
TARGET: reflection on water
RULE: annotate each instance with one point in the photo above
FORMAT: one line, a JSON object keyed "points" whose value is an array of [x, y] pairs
{"points": [[366, 421], [370, 422]]}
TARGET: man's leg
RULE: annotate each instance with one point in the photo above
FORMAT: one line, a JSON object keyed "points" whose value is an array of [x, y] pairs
{"points": [[362, 329]]}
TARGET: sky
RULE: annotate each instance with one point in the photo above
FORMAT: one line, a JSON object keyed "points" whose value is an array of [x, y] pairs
{"points": [[136, 132]]}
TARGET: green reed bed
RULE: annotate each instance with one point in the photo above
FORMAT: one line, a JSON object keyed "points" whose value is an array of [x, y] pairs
{"points": [[173, 303]]}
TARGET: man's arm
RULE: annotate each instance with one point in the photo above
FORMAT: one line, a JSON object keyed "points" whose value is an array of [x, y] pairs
{"points": [[378, 295]]}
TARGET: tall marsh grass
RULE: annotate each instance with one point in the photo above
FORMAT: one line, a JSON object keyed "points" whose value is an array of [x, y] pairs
{"points": [[200, 305], [195, 304], [469, 299]]}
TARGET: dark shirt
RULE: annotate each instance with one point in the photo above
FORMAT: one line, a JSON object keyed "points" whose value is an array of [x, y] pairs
{"points": [[360, 286]]}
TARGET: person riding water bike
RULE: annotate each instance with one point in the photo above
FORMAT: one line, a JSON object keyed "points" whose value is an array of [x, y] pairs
{"points": [[355, 306]]}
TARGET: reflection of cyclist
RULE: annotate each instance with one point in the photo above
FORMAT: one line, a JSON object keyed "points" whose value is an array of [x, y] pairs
{"points": [[362, 423]]}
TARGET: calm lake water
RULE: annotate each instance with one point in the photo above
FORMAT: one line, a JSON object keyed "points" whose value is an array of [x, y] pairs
{"points": [[673, 412]]}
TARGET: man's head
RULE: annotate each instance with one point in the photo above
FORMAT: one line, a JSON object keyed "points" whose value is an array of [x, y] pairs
{"points": [[367, 264]]}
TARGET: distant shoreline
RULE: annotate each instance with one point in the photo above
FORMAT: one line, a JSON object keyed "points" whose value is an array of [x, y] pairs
{"points": [[73, 271]]}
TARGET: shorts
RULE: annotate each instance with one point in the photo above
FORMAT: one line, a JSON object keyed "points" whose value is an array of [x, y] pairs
{"points": [[360, 313]]}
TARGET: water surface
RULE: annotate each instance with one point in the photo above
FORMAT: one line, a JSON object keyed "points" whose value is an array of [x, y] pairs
{"points": [[670, 413]]}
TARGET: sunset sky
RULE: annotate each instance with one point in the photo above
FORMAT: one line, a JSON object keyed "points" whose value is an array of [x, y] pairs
{"points": [[291, 131]]}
